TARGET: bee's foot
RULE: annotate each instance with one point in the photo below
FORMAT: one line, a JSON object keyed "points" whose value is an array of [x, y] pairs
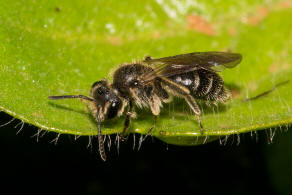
{"points": [[149, 133], [201, 127], [202, 130], [122, 137], [146, 136]]}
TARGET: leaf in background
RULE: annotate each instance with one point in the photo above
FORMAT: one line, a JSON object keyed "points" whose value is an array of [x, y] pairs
{"points": [[62, 47]]}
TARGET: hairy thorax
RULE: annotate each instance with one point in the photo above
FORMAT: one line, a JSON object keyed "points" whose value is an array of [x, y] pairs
{"points": [[128, 77], [128, 81]]}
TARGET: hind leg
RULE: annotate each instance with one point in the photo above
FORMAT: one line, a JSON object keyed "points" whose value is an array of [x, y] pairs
{"points": [[195, 108], [185, 93]]}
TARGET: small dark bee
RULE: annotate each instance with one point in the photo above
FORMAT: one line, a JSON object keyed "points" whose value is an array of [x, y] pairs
{"points": [[151, 82]]}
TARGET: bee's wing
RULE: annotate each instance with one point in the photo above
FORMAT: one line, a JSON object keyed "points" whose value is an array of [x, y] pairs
{"points": [[174, 65]]}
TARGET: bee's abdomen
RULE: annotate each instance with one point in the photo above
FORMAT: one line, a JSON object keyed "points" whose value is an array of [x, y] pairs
{"points": [[210, 86], [203, 84]]}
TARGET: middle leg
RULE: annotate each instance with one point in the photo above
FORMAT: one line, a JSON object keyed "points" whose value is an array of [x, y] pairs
{"points": [[153, 125]]}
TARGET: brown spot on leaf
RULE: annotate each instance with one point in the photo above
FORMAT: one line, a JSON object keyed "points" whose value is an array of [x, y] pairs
{"points": [[260, 14], [114, 40], [235, 93], [199, 24], [232, 31], [279, 67], [57, 9], [37, 114], [234, 90], [263, 11], [286, 4], [156, 35], [273, 68], [223, 126]]}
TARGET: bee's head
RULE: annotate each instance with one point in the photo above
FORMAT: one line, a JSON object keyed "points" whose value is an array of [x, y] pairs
{"points": [[105, 98], [107, 105]]}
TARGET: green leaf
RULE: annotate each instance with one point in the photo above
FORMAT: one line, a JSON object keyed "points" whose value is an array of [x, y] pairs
{"points": [[62, 47]]}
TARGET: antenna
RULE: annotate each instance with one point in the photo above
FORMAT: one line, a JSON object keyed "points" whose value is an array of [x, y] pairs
{"points": [[100, 138], [71, 97]]}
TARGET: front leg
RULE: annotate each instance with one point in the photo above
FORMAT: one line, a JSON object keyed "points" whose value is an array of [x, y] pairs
{"points": [[130, 114]]}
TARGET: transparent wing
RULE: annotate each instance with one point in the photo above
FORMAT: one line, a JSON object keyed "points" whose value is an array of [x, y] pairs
{"points": [[174, 65]]}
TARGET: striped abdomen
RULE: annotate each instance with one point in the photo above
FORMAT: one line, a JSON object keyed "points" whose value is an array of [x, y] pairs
{"points": [[203, 84]]}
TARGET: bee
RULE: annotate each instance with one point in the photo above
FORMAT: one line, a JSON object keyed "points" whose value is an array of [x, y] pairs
{"points": [[151, 82]]}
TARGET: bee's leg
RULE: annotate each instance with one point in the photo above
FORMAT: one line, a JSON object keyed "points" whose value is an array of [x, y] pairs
{"points": [[155, 105], [149, 133], [100, 138], [161, 92], [195, 108], [184, 92], [153, 125], [129, 115]]}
